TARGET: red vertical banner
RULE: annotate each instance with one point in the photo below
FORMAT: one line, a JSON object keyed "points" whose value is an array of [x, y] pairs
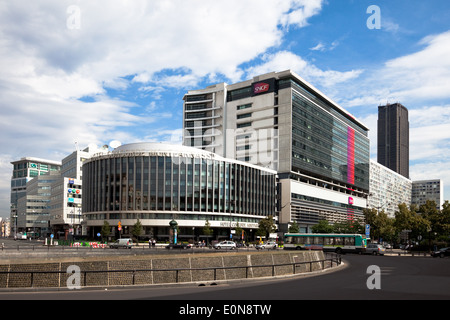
{"points": [[350, 169], [350, 155]]}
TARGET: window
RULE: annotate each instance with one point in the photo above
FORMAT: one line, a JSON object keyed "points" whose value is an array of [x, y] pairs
{"points": [[244, 136], [244, 125], [244, 106], [246, 147], [244, 115]]}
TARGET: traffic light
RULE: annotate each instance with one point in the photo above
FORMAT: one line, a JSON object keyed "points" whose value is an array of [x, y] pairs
{"points": [[120, 225]]}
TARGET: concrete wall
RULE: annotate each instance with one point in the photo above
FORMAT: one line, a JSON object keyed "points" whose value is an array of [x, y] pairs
{"points": [[191, 261]]}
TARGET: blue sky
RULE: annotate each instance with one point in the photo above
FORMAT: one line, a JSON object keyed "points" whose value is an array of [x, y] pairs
{"points": [[74, 70]]}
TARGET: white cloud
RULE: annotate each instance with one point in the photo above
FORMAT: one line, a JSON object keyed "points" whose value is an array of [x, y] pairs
{"points": [[322, 47], [284, 60], [301, 11], [319, 47], [430, 133], [420, 76], [47, 67]]}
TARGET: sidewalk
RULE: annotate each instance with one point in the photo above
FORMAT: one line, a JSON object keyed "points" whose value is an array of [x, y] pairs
{"points": [[405, 253]]}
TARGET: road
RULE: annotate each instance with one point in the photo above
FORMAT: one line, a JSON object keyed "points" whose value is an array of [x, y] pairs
{"points": [[401, 278]]}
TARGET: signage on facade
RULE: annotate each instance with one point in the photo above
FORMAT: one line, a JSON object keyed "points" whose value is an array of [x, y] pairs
{"points": [[261, 87], [241, 224], [265, 86]]}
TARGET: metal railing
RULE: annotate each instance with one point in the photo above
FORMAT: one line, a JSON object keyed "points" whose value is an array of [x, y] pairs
{"points": [[142, 247], [325, 264]]}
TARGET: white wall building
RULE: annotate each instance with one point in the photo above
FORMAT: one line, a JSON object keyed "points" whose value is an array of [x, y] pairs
{"points": [[65, 207], [388, 189]]}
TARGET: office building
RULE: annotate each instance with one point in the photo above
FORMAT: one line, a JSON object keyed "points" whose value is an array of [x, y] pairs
{"points": [[156, 183], [33, 209], [66, 217], [423, 190], [24, 170], [388, 189], [393, 138], [280, 121]]}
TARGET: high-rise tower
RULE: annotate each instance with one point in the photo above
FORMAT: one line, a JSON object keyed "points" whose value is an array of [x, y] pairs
{"points": [[393, 138]]}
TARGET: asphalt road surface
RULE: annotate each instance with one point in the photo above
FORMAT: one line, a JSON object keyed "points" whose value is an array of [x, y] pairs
{"points": [[400, 278]]}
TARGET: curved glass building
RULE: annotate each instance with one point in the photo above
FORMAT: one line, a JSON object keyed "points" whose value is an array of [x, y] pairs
{"points": [[156, 183]]}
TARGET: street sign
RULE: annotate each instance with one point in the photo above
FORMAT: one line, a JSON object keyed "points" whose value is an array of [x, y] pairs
{"points": [[367, 230], [98, 234], [52, 236]]}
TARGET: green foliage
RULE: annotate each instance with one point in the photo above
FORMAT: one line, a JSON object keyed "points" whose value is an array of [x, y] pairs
{"points": [[323, 227], [137, 229], [207, 231], [426, 221], [339, 227], [381, 226], [294, 228], [106, 230], [266, 227]]}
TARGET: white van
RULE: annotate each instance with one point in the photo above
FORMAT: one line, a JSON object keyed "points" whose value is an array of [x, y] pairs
{"points": [[122, 243]]}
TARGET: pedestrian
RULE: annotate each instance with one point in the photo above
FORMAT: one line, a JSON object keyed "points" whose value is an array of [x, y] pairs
{"points": [[154, 243], [149, 243]]}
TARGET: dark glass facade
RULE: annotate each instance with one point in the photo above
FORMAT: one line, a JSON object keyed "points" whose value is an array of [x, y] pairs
{"points": [[144, 185], [325, 143], [393, 138]]}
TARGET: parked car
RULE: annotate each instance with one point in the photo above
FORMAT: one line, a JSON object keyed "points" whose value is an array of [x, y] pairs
{"points": [[122, 243], [267, 245], [225, 245], [374, 248], [444, 252]]}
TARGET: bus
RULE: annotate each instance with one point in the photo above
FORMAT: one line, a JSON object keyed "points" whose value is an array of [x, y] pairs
{"points": [[331, 242]]}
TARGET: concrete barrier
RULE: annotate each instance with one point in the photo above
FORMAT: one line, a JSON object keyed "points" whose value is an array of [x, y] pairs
{"points": [[181, 268]]}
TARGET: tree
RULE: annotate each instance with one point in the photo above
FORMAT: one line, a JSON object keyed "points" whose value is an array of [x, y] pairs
{"points": [[323, 227], [347, 226], [137, 230], [408, 219], [106, 230], [294, 228], [238, 230], [266, 227], [430, 212], [207, 231], [445, 218], [381, 226]]}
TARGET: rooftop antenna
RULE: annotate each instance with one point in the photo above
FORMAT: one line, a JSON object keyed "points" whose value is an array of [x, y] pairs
{"points": [[76, 145]]}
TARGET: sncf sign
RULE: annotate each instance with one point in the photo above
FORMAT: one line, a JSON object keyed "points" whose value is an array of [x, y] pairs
{"points": [[264, 86], [261, 87]]}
